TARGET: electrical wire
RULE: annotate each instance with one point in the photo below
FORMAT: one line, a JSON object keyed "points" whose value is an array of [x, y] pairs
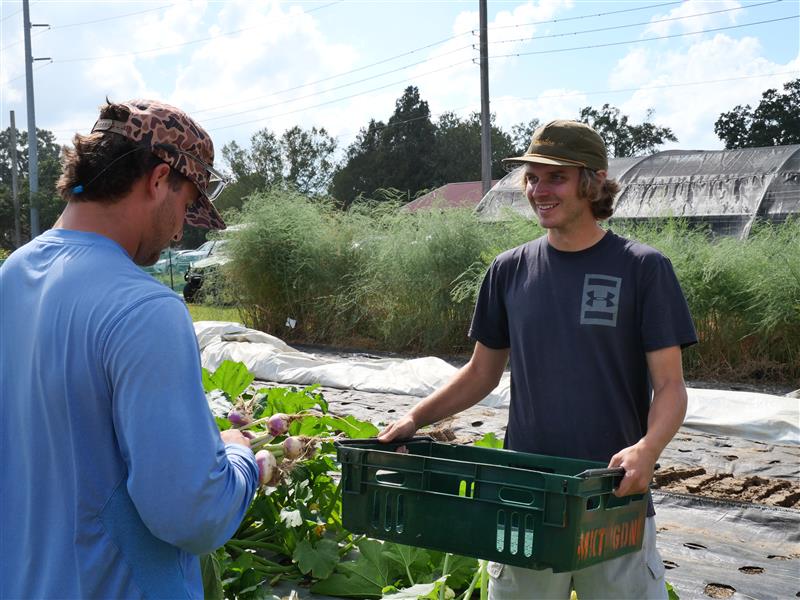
{"points": [[338, 87], [182, 44], [626, 26], [114, 18], [291, 112], [592, 16], [661, 37]]}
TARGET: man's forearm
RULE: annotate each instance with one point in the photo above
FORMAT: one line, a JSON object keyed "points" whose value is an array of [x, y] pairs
{"points": [[465, 389], [666, 416]]}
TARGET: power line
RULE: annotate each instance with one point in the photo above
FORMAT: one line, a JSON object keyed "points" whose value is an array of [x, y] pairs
{"points": [[395, 70], [183, 44], [662, 37], [427, 46], [506, 99], [114, 18], [602, 14], [654, 22], [14, 14], [338, 87], [342, 74], [649, 87], [385, 73], [450, 52], [20, 40], [36, 70], [291, 112]]}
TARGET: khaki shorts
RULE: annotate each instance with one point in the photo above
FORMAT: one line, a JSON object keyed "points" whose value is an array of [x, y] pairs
{"points": [[636, 576]]}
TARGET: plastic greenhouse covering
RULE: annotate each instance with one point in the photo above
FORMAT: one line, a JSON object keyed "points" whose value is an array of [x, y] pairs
{"points": [[727, 190]]}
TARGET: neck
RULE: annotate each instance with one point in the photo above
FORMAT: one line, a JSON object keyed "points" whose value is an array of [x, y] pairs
{"points": [[117, 221], [576, 240]]}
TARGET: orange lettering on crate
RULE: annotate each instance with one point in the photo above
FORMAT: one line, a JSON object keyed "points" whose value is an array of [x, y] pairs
{"points": [[606, 540]]}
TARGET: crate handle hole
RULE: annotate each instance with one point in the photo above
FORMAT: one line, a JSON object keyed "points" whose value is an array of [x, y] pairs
{"points": [[593, 503], [466, 488], [516, 496], [514, 539], [400, 514], [390, 477], [501, 530]]}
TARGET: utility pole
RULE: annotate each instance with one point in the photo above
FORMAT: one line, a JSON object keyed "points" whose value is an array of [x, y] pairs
{"points": [[33, 159], [12, 149], [486, 127]]}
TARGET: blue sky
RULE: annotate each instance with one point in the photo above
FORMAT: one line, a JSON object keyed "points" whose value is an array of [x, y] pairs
{"points": [[239, 66]]}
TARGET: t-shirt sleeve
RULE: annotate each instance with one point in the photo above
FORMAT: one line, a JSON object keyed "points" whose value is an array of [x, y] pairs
{"points": [[190, 489], [666, 320], [490, 319]]}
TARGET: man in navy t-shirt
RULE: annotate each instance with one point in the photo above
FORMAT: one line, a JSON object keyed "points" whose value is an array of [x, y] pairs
{"points": [[593, 325]]}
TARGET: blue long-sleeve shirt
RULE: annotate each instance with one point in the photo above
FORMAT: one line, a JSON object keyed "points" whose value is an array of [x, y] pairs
{"points": [[114, 477]]}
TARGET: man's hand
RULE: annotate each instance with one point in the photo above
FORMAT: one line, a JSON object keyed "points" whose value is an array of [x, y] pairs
{"points": [[639, 463], [403, 429], [234, 436]]}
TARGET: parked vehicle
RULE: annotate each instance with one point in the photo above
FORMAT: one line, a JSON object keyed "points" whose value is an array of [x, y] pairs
{"points": [[200, 267]]}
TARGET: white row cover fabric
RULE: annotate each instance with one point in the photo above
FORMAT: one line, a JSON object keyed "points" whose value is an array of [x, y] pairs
{"points": [[271, 359], [763, 417]]}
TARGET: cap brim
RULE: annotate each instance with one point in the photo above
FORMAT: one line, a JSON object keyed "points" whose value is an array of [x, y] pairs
{"points": [[204, 214], [542, 160]]}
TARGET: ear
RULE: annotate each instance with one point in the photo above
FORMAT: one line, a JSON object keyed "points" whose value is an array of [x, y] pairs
{"points": [[601, 175], [157, 180]]}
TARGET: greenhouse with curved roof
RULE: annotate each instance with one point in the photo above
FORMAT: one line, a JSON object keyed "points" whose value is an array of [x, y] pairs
{"points": [[725, 190]]}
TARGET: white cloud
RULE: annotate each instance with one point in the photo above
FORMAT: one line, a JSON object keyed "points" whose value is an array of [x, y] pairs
{"points": [[458, 88], [691, 110], [247, 79], [681, 19]]}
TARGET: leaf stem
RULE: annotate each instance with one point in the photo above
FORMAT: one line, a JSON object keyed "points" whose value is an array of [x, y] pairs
{"points": [[445, 568]]}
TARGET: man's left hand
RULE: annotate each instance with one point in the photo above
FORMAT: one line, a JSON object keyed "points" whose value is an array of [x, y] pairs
{"points": [[639, 463]]}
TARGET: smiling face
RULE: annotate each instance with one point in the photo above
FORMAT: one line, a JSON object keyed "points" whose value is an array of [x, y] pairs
{"points": [[553, 194]]}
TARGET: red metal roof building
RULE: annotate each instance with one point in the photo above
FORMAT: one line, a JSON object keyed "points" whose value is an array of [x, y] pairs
{"points": [[466, 194]]}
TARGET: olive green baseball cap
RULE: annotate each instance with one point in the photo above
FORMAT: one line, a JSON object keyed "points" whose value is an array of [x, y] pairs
{"points": [[565, 144]]}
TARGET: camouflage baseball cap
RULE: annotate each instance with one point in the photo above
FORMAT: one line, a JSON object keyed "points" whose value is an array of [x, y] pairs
{"points": [[180, 142], [565, 144]]}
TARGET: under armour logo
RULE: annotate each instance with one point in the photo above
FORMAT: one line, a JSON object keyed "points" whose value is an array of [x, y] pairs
{"points": [[593, 298], [600, 300]]}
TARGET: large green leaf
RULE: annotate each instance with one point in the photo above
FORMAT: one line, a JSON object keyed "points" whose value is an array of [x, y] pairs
{"points": [[352, 427], [230, 377], [319, 560], [489, 441], [212, 581], [461, 570], [363, 578], [289, 401], [413, 561]]}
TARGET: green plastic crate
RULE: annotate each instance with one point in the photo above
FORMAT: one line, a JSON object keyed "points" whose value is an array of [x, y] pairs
{"points": [[510, 507]]}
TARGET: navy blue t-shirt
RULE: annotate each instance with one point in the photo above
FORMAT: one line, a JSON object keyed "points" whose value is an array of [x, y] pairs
{"points": [[578, 325]]}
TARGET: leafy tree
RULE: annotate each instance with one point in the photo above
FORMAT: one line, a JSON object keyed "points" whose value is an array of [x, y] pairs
{"points": [[775, 121], [300, 159], [623, 138], [408, 144], [48, 201], [361, 173], [521, 135], [398, 154], [458, 149]]}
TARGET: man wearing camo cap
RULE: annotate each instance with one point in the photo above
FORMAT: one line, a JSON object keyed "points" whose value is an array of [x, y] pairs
{"points": [[115, 477]]}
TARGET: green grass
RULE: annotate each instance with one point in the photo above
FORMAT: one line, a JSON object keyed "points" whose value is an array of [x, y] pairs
{"points": [[201, 312]]}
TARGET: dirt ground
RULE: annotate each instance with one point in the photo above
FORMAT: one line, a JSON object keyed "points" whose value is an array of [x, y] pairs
{"points": [[725, 486]]}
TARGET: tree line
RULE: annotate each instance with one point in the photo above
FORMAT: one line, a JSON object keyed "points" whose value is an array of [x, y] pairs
{"points": [[401, 158]]}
